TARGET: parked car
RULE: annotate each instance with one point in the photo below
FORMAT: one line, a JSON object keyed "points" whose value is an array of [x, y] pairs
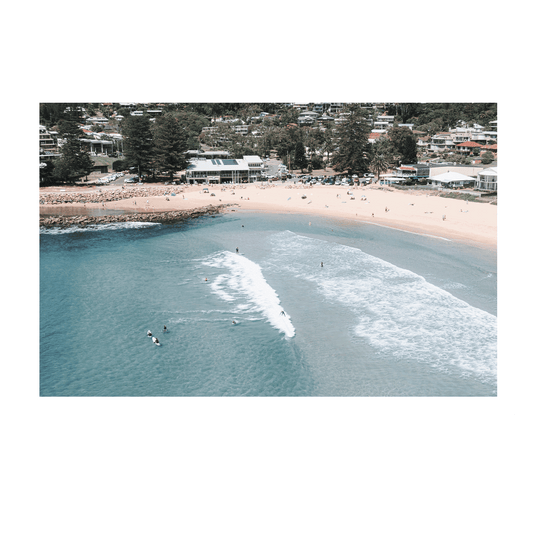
{"points": [[133, 179]]}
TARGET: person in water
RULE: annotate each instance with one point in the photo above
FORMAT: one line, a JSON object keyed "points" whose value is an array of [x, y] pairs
{"points": [[149, 333], [237, 250], [164, 329]]}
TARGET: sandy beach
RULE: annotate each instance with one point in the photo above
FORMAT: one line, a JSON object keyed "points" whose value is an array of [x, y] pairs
{"points": [[416, 211]]}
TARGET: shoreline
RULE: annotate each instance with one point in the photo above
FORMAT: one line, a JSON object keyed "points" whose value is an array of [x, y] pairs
{"points": [[415, 211]]}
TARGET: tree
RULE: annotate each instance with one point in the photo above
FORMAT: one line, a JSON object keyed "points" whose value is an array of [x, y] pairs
{"points": [[353, 150], [300, 161], [74, 162], [487, 158], [46, 172], [138, 142], [404, 142], [170, 145]]}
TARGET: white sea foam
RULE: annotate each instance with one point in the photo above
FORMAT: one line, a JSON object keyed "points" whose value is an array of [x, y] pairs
{"points": [[244, 279], [97, 227], [397, 311]]}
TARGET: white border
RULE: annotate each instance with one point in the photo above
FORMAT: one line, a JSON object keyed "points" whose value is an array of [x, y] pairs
{"points": [[30, 403]]}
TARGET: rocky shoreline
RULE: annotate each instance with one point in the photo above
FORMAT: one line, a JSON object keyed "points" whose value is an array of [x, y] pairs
{"points": [[163, 217]]}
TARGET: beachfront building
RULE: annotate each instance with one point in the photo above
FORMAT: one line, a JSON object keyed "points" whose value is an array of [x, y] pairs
{"points": [[233, 171], [255, 167], [390, 179], [417, 171], [451, 180], [487, 180]]}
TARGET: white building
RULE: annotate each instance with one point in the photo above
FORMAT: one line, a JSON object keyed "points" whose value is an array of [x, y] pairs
{"points": [[451, 180], [234, 171], [487, 180], [255, 166]]}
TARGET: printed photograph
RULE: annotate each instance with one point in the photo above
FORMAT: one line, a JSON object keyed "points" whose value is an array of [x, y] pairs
{"points": [[278, 249]]}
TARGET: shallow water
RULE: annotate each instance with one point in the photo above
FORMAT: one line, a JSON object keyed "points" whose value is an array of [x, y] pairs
{"points": [[389, 313]]}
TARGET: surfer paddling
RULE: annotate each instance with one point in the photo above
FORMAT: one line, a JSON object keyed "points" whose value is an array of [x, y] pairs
{"points": [[149, 333]]}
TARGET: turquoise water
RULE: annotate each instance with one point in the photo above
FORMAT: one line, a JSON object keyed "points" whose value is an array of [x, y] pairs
{"points": [[389, 313]]}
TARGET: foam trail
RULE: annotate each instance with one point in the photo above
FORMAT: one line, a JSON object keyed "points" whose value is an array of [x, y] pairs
{"points": [[97, 227], [245, 279]]}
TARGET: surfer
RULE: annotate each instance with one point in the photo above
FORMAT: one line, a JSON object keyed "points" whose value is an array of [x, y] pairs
{"points": [[205, 279], [164, 329], [282, 313], [149, 333], [155, 340], [237, 250], [321, 264]]}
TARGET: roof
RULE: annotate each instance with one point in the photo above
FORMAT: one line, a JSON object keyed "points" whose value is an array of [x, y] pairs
{"points": [[376, 134], [471, 144], [491, 146], [491, 171], [252, 159], [217, 164], [448, 177]]}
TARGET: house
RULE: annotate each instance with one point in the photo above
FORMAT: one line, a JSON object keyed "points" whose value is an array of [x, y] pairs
{"points": [[487, 180], [335, 108], [467, 148], [97, 146], [326, 119], [375, 135], [441, 142], [47, 140]]}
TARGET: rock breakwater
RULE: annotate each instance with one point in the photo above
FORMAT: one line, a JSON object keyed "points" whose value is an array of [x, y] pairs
{"points": [[163, 217], [110, 195]]}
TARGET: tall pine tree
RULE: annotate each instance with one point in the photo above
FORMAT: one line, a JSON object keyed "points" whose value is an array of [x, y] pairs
{"points": [[138, 142], [353, 149], [74, 162], [170, 145]]}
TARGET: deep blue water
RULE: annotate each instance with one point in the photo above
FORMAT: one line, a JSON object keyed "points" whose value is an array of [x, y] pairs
{"points": [[389, 313]]}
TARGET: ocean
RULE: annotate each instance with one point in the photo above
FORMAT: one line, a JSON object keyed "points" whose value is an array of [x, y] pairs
{"points": [[307, 306]]}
